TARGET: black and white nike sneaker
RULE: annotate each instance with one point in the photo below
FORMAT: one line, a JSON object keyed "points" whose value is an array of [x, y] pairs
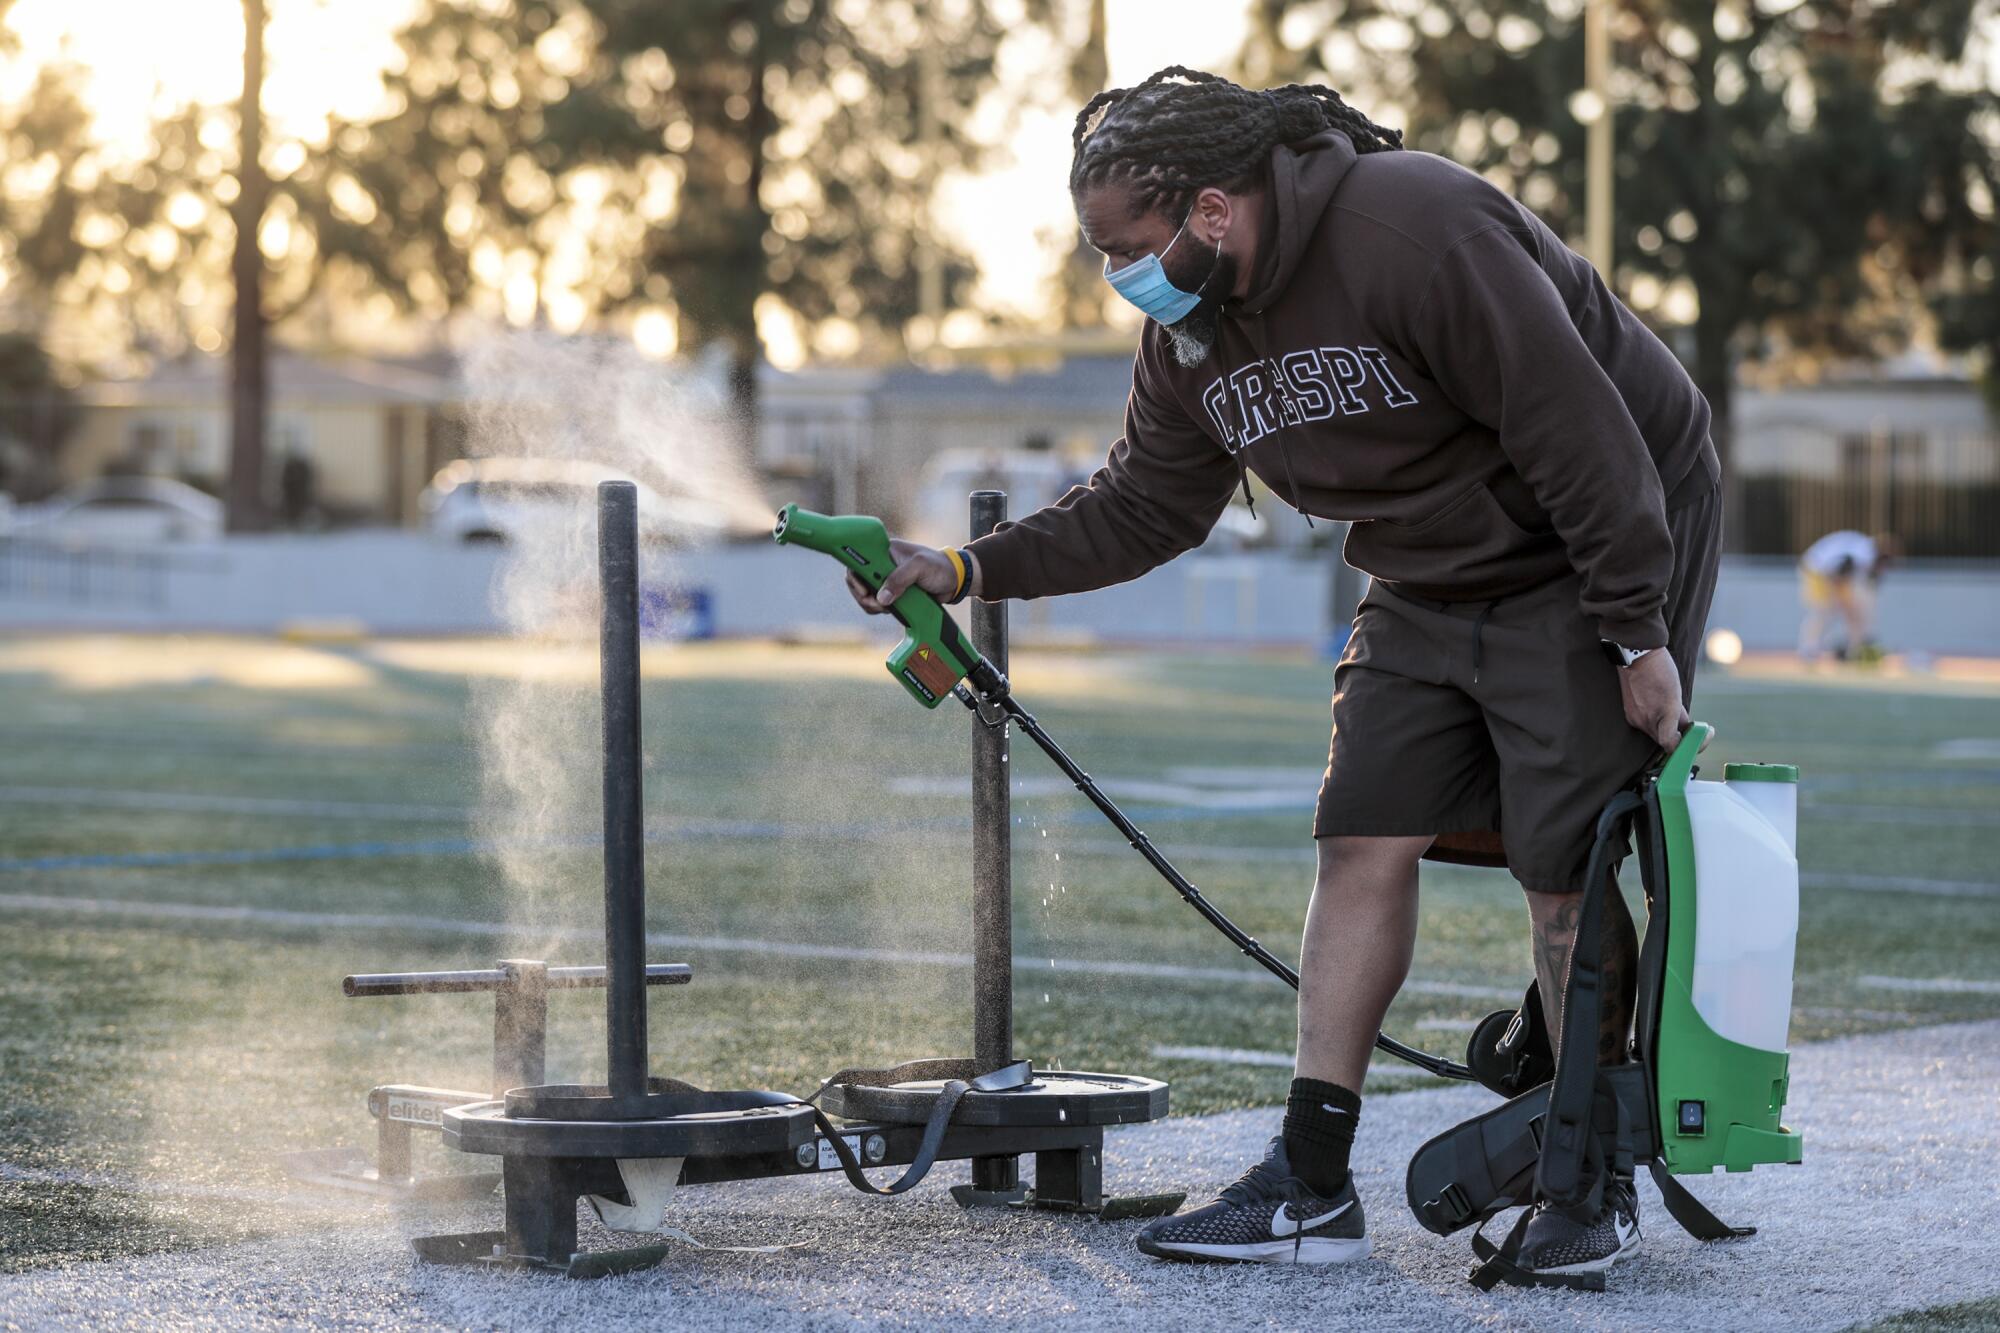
{"points": [[1269, 1217], [1555, 1245]]}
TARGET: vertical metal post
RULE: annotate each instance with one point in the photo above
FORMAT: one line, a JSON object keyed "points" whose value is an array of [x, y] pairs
{"points": [[521, 1026], [1597, 139], [624, 854], [992, 862], [392, 1151]]}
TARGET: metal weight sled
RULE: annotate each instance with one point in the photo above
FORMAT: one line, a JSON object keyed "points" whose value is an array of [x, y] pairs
{"points": [[627, 1144]]}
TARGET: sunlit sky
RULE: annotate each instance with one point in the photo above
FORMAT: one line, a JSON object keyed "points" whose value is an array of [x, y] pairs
{"points": [[326, 57]]}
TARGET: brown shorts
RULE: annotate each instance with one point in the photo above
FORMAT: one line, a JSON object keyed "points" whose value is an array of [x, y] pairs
{"points": [[1529, 745]]}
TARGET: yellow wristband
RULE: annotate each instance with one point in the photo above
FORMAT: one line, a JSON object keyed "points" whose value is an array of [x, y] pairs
{"points": [[958, 568]]}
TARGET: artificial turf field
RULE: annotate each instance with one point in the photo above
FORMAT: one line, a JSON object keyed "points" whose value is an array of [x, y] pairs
{"points": [[198, 838]]}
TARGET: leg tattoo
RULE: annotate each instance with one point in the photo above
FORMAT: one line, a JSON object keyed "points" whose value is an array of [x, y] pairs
{"points": [[1553, 938]]}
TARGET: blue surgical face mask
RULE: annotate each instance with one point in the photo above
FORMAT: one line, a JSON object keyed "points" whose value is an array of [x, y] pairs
{"points": [[1145, 284]]}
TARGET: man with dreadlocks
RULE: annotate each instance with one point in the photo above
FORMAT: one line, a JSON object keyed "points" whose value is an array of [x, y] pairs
{"points": [[1384, 337]]}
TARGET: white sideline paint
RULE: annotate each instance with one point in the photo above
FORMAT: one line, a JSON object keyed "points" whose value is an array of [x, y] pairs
{"points": [[1225, 776], [1896, 814], [1862, 1015], [1230, 1055], [1933, 985], [130, 910], [1968, 747], [1943, 888], [1224, 1055], [1293, 796], [1910, 1172]]}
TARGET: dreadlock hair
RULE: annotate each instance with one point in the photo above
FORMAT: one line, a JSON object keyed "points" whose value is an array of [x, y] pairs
{"points": [[1183, 130]]}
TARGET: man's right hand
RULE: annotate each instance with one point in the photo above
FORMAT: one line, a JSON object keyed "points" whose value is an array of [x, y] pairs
{"points": [[916, 565]]}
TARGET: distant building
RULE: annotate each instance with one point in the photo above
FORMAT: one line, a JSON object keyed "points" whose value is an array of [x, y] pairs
{"points": [[1914, 455], [860, 439], [1924, 427], [1917, 456], [373, 432]]}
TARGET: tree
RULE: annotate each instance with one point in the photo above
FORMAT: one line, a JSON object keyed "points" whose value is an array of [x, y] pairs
{"points": [[37, 413], [1081, 296], [248, 393], [715, 157], [99, 252], [1794, 177]]}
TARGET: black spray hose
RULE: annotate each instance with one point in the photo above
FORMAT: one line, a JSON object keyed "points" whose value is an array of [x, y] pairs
{"points": [[993, 689]]}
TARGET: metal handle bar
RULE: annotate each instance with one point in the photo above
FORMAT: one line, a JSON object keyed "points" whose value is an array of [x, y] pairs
{"points": [[496, 979]]}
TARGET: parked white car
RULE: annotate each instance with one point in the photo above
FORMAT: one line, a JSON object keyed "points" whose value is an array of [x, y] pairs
{"points": [[122, 510], [500, 499]]}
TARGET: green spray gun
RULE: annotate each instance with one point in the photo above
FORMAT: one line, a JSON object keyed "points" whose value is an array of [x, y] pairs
{"points": [[933, 656], [934, 660]]}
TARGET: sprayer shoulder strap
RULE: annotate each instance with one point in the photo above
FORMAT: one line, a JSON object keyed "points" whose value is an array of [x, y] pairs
{"points": [[1609, 1153], [1568, 1131], [1574, 1093], [1691, 1213]]}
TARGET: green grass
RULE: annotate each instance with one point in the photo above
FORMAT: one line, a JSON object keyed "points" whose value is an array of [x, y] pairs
{"points": [[168, 1058]]}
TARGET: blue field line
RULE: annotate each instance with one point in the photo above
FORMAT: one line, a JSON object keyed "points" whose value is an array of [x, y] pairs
{"points": [[355, 851]]}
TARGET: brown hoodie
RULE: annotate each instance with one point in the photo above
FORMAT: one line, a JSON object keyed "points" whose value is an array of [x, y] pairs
{"points": [[1418, 354]]}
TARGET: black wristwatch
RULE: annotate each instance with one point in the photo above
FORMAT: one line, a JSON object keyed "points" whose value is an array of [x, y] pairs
{"points": [[1620, 656]]}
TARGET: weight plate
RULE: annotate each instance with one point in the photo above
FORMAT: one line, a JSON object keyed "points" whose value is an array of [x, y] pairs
{"points": [[1058, 1098], [486, 1128]]}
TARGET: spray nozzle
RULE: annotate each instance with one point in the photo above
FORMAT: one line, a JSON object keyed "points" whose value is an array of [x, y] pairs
{"points": [[933, 657]]}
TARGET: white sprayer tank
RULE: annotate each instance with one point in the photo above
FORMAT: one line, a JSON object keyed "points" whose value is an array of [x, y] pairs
{"points": [[1747, 926]]}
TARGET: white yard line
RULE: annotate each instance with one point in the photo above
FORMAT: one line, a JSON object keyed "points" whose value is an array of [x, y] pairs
{"points": [[1968, 747], [132, 910], [1933, 985], [1943, 888], [1900, 1141], [1864, 1015], [1230, 1055], [1225, 1055], [1125, 789], [1898, 814]]}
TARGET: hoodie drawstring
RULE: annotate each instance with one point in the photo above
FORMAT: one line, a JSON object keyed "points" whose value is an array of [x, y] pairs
{"points": [[1286, 404]]}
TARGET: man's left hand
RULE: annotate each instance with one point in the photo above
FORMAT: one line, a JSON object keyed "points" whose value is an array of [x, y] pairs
{"points": [[1651, 688]]}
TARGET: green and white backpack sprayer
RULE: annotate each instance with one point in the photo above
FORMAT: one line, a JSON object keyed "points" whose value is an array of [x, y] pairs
{"points": [[1706, 1080]]}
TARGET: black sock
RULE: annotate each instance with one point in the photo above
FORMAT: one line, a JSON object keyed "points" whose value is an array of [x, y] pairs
{"points": [[1319, 1131]]}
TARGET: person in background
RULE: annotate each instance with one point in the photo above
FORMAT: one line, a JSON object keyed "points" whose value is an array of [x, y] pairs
{"points": [[1840, 572]]}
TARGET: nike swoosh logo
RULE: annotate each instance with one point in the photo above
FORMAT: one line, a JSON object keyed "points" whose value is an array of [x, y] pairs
{"points": [[1284, 1224]]}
